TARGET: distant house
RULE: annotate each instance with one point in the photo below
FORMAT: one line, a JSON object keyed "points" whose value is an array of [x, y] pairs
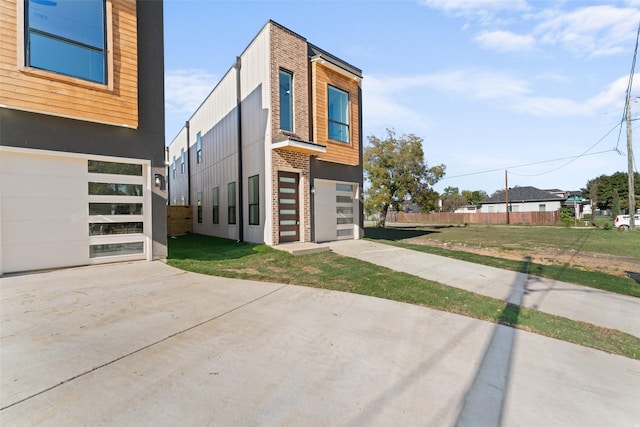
{"points": [[523, 199], [468, 209]]}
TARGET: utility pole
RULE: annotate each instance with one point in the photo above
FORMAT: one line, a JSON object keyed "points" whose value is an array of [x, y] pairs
{"points": [[632, 196], [506, 193]]}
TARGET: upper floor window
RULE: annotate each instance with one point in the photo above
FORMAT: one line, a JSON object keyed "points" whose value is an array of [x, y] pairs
{"points": [[198, 148], [67, 37], [182, 160], [286, 100], [338, 102], [174, 168]]}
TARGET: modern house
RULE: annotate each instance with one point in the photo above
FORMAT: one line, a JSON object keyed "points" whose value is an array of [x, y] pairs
{"points": [[522, 199], [274, 153], [81, 133]]}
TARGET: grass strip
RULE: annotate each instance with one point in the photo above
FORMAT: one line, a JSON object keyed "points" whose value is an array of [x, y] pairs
{"points": [[597, 280], [326, 270]]}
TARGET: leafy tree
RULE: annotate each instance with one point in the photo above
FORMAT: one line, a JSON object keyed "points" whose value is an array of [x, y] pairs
{"points": [[615, 204], [601, 190], [395, 170], [452, 199], [474, 197]]}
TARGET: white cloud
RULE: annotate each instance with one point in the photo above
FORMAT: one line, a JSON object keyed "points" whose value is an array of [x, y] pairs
{"points": [[186, 89], [475, 7], [591, 31], [504, 41]]}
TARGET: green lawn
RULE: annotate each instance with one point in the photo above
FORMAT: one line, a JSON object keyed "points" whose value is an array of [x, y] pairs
{"points": [[226, 258]]}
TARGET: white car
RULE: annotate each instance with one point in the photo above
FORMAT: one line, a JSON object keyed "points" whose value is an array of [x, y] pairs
{"points": [[622, 222]]}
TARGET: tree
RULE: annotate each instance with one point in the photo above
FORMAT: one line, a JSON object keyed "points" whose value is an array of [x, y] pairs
{"points": [[601, 190], [474, 197], [452, 199], [395, 170]]}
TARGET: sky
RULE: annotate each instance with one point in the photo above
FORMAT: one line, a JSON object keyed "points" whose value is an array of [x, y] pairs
{"points": [[533, 87]]}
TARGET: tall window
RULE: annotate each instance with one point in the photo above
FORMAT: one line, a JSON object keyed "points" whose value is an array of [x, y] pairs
{"points": [[198, 148], [216, 205], [286, 100], [182, 160], [231, 202], [254, 200], [338, 102], [67, 37], [175, 170], [199, 198]]}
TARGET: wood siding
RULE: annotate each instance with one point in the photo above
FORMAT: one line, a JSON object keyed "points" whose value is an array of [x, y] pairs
{"points": [[50, 93], [338, 152]]}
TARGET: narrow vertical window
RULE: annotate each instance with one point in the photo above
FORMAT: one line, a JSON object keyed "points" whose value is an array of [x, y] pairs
{"points": [[199, 199], [338, 114], [216, 205], [286, 100], [231, 203], [67, 37], [182, 160], [254, 200], [175, 167], [198, 148]]}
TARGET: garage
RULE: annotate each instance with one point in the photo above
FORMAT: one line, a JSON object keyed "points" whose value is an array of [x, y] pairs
{"points": [[63, 209], [336, 210]]}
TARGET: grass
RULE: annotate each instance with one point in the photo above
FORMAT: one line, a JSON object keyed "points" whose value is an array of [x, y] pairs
{"points": [[226, 258], [613, 243]]}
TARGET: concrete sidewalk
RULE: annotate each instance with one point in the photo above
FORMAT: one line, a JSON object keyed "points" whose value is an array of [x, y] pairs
{"points": [[563, 299], [145, 344]]}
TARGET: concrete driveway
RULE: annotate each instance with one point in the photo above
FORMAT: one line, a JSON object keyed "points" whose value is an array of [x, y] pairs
{"points": [[146, 344]]}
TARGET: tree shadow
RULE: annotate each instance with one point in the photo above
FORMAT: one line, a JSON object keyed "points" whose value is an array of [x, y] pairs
{"points": [[397, 233]]}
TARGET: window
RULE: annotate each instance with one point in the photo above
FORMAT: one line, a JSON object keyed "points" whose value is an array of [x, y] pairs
{"points": [[231, 202], [175, 170], [114, 189], [114, 168], [216, 205], [198, 148], [182, 160], [254, 200], [338, 101], [199, 198], [286, 101], [67, 37], [542, 207]]}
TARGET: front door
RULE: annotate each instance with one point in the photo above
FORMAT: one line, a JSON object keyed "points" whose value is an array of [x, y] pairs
{"points": [[288, 207]]}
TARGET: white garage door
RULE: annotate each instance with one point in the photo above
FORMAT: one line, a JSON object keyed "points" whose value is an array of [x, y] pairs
{"points": [[336, 213], [68, 210]]}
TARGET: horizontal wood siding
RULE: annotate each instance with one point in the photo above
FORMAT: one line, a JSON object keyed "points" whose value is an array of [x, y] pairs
{"points": [[179, 220], [338, 152], [476, 218], [49, 93]]}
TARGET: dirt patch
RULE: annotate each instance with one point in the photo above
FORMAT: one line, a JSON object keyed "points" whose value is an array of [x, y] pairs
{"points": [[587, 261], [311, 270]]}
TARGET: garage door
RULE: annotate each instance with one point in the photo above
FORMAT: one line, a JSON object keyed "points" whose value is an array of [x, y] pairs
{"points": [[336, 213], [59, 211]]}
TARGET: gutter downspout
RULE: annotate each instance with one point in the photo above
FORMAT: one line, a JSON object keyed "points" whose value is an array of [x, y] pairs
{"points": [[188, 167], [240, 201], [168, 169]]}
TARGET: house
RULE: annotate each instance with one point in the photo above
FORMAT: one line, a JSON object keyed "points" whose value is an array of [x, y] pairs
{"points": [[274, 153], [81, 133], [522, 199], [468, 209]]}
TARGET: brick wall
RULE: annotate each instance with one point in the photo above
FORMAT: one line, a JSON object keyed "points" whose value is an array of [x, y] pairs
{"points": [[293, 162]]}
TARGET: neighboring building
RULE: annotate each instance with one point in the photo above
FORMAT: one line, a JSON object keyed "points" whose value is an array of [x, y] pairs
{"points": [[274, 153], [522, 199], [81, 133], [468, 209]]}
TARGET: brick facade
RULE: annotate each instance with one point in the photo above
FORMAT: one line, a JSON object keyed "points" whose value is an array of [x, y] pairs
{"points": [[289, 52]]}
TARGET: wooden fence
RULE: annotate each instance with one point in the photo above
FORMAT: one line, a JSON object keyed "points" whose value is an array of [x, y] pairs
{"points": [[477, 218], [179, 220]]}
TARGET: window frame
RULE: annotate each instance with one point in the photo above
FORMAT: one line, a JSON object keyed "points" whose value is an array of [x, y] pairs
{"points": [[253, 196], [215, 205], [282, 72], [199, 206], [231, 203], [198, 147], [330, 121], [182, 161], [21, 51]]}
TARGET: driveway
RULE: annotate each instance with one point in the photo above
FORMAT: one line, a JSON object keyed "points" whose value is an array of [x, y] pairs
{"points": [[147, 344]]}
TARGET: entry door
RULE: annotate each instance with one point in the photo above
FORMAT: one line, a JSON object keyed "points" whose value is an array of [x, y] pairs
{"points": [[288, 207]]}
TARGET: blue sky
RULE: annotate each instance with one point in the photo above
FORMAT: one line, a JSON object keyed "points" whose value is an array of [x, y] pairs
{"points": [[489, 84]]}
